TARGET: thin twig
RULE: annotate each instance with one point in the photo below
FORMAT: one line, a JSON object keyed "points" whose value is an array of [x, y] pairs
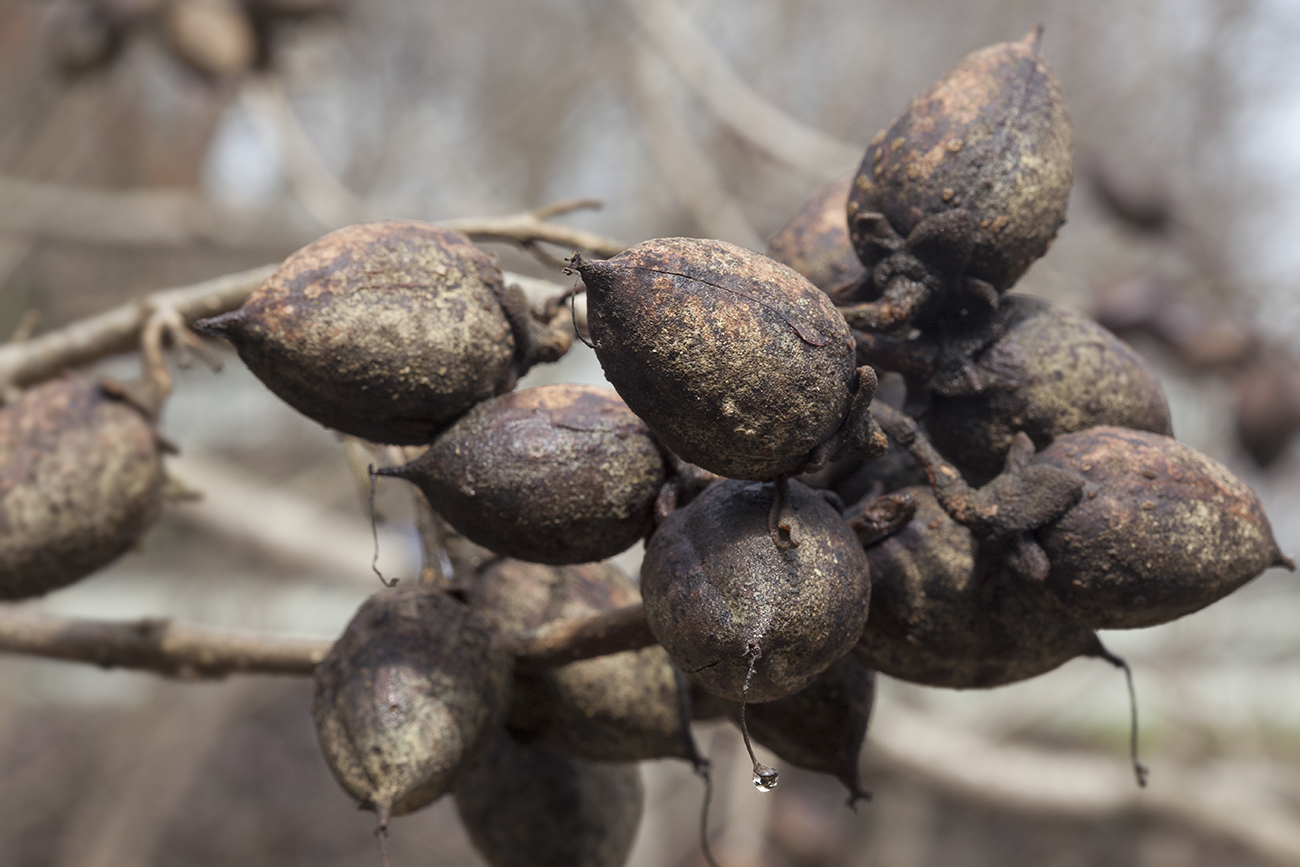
{"points": [[531, 227]]}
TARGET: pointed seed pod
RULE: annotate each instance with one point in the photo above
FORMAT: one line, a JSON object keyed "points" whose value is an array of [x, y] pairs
{"points": [[815, 242], [81, 479]]}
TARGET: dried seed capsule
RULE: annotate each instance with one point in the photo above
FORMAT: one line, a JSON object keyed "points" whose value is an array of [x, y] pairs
{"points": [[408, 697], [727, 604], [81, 479], [554, 474], [815, 242], [624, 706], [975, 175], [1161, 530], [1046, 370], [528, 807], [736, 362], [387, 331]]}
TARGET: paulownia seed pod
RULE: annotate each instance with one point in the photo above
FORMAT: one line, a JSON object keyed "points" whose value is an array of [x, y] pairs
{"points": [[553, 474], [1161, 531], [736, 362], [81, 479], [387, 331], [624, 706], [720, 597], [408, 698], [815, 242], [526, 807]]}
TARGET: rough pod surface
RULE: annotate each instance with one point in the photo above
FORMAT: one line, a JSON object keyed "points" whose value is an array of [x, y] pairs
{"points": [[386, 331], [81, 479], [718, 591]]}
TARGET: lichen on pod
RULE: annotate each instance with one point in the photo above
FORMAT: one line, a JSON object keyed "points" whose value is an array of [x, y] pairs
{"points": [[736, 362], [815, 242], [625, 706], [81, 479], [525, 806], [408, 698], [553, 474], [387, 331]]}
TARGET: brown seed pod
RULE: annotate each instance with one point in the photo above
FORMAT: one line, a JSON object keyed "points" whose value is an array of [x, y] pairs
{"points": [[81, 479], [624, 706], [408, 698], [815, 242], [1161, 531], [526, 807], [1046, 370], [738, 613], [736, 362], [970, 183], [387, 331], [553, 474]]}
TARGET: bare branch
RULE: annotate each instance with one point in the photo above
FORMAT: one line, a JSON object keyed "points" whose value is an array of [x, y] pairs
{"points": [[531, 227], [571, 640]]}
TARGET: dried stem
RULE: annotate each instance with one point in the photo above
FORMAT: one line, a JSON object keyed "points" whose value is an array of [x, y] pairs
{"points": [[571, 640], [530, 227]]}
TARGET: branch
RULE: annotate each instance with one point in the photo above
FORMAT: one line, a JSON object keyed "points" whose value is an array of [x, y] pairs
{"points": [[572, 640], [530, 227]]}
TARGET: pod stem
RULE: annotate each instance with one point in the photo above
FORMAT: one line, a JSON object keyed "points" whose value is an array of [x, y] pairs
{"points": [[765, 776], [782, 536], [702, 768], [374, 531], [1139, 770], [381, 833]]}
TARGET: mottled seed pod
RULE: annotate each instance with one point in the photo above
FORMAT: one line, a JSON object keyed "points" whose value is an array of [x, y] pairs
{"points": [[553, 474], [81, 479], [387, 331], [408, 698], [624, 706], [526, 807], [1161, 531], [938, 620], [815, 242], [722, 599], [1047, 371], [737, 363]]}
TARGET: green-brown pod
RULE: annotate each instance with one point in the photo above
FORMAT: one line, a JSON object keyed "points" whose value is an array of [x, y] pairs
{"points": [[408, 698], [815, 241], [553, 474], [720, 597], [1161, 530], [386, 331], [737, 363], [81, 479]]}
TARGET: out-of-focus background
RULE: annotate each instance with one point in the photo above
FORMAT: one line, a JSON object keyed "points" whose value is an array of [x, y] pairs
{"points": [[151, 143]]}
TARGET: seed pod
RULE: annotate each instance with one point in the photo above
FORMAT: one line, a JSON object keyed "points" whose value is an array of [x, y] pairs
{"points": [[554, 474], [1161, 531], [987, 152], [722, 599], [408, 697], [526, 807], [624, 706], [736, 362], [81, 479], [815, 242], [387, 331], [1046, 370]]}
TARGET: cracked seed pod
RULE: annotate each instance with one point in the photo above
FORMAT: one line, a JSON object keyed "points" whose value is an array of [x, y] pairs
{"points": [[81, 479], [387, 331], [408, 698], [1161, 531], [987, 152], [553, 474], [1048, 371], [938, 620], [815, 242], [717, 591], [621, 707], [737, 363], [526, 807]]}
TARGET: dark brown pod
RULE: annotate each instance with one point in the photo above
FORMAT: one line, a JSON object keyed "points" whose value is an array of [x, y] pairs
{"points": [[939, 620], [526, 807], [815, 242], [1161, 530], [387, 331], [624, 706], [736, 362], [1047, 371], [81, 479], [720, 597], [553, 474], [408, 698]]}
